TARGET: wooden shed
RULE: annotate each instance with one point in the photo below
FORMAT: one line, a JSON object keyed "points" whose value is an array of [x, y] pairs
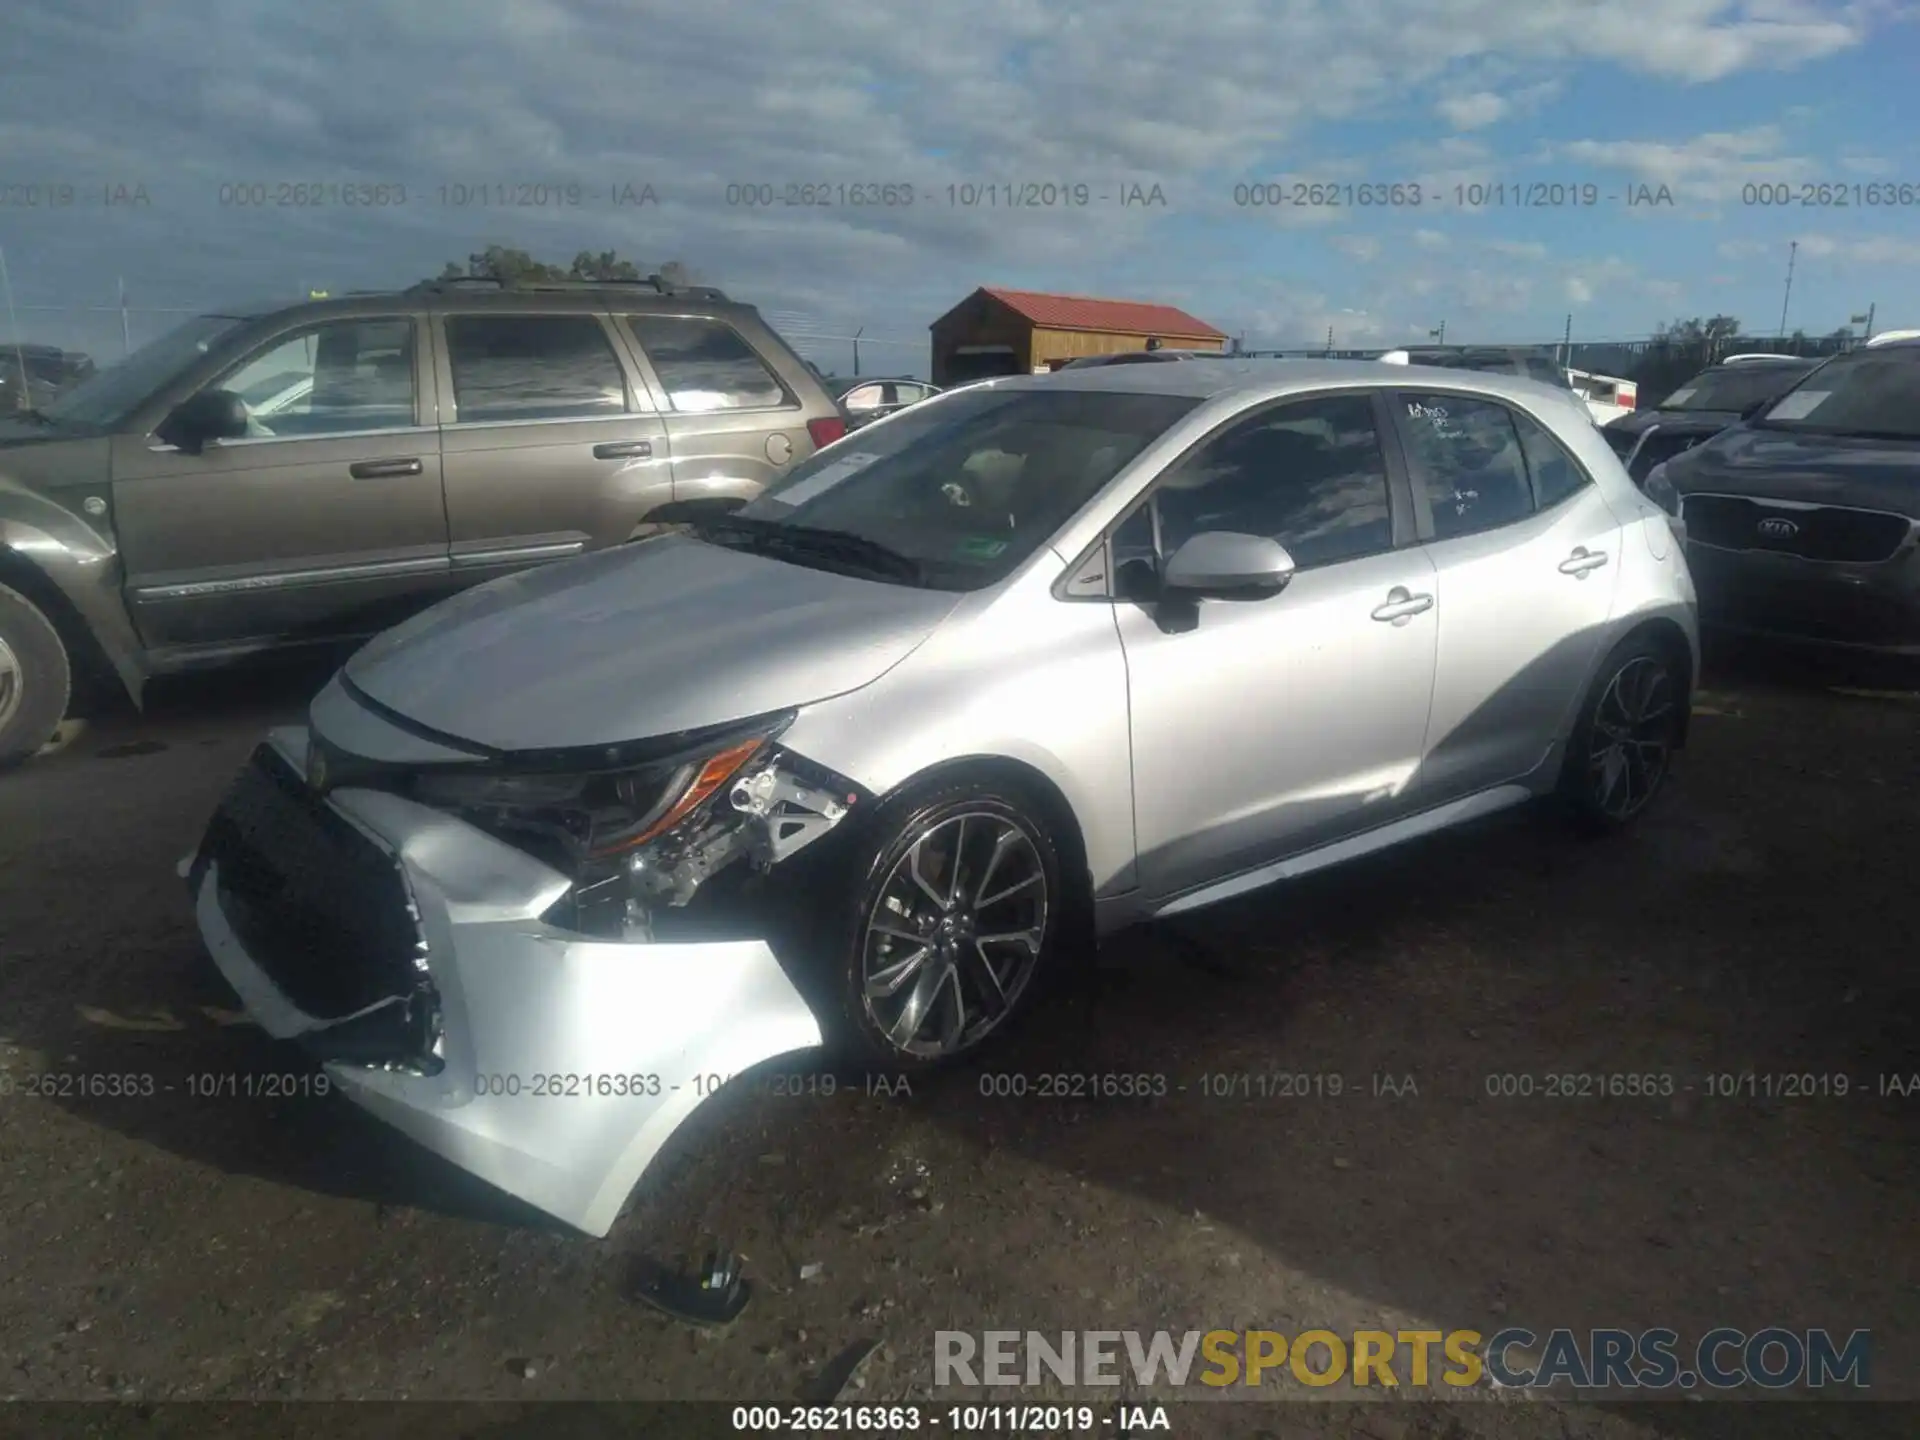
{"points": [[1020, 332]]}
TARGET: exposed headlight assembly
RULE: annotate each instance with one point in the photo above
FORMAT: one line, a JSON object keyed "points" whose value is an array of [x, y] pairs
{"points": [[644, 826]]}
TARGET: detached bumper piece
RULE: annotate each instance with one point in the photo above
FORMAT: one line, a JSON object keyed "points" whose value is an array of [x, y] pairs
{"points": [[407, 948]]}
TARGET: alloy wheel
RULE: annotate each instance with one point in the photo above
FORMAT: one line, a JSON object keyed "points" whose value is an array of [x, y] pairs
{"points": [[955, 934], [1633, 732], [13, 683]]}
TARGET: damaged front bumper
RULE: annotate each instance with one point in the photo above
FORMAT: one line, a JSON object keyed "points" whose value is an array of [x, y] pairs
{"points": [[406, 948]]}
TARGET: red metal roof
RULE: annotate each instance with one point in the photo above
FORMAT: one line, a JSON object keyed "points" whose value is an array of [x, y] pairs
{"points": [[1119, 317]]}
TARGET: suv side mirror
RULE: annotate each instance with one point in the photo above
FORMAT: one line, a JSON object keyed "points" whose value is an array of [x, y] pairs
{"points": [[210, 415], [1225, 566]]}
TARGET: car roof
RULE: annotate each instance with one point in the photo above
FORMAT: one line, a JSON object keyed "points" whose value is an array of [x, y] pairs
{"points": [[467, 297], [1252, 380]]}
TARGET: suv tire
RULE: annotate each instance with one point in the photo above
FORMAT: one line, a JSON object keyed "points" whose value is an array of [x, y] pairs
{"points": [[35, 678]]}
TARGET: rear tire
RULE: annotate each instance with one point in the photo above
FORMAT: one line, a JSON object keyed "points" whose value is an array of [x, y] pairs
{"points": [[1621, 751], [36, 679], [922, 970]]}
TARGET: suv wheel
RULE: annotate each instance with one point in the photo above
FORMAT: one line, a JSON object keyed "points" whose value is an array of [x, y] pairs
{"points": [[1622, 747], [34, 678], [957, 910]]}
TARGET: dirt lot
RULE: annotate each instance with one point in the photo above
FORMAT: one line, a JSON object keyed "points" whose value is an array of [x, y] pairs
{"points": [[176, 1247]]}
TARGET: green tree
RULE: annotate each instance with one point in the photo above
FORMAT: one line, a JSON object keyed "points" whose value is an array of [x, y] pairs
{"points": [[506, 264]]}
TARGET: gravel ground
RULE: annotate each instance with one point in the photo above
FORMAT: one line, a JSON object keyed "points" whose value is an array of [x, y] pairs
{"points": [[175, 1247]]}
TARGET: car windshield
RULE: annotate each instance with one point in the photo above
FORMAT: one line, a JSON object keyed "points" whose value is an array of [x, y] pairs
{"points": [[109, 396], [1873, 393], [1734, 389], [956, 492]]}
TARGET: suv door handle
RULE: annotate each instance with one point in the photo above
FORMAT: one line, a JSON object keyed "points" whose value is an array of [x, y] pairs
{"points": [[381, 469], [624, 450], [1581, 561], [1402, 605]]}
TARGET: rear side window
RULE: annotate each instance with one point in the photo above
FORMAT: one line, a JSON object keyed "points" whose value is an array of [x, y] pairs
{"points": [[1466, 455], [1556, 475], [533, 367], [706, 365]]}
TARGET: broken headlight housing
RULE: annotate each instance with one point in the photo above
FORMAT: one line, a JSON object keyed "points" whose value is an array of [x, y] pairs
{"points": [[641, 828]]}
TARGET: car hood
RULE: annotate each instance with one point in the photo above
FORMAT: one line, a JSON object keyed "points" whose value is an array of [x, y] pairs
{"points": [[663, 635], [1691, 422], [1815, 469]]}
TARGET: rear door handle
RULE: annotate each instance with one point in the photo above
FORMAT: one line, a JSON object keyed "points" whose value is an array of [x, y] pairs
{"points": [[624, 450], [382, 469], [1581, 561], [1402, 604]]}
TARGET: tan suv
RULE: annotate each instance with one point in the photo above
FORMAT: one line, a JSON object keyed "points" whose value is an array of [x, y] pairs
{"points": [[303, 474]]}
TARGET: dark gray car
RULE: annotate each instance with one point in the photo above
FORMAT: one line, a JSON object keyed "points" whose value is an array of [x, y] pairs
{"points": [[1803, 523], [1701, 409], [867, 398], [266, 477]]}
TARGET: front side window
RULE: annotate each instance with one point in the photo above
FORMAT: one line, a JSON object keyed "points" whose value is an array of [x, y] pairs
{"points": [[1311, 475], [1466, 454], [110, 395], [533, 367], [333, 379], [1870, 393], [706, 365], [962, 489]]}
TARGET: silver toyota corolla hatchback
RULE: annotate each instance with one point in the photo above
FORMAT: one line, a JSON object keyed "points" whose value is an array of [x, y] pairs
{"points": [[862, 762]]}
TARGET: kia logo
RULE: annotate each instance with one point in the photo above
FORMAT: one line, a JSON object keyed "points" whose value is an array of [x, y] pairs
{"points": [[1778, 529]]}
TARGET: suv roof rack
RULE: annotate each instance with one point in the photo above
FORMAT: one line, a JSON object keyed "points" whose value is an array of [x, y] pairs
{"points": [[658, 284]]}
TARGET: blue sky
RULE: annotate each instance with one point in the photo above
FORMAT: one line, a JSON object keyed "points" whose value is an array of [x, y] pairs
{"points": [[1704, 97]]}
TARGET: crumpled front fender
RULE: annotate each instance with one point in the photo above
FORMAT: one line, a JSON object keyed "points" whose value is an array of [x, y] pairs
{"points": [[568, 1061]]}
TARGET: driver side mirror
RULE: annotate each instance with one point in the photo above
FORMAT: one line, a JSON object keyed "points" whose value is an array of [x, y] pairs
{"points": [[210, 415], [1221, 565]]}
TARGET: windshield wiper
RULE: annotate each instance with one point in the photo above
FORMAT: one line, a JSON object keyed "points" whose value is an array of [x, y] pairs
{"points": [[843, 545]]}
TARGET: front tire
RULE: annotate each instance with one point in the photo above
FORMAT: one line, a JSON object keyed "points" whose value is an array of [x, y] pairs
{"points": [[35, 678], [957, 910], [1621, 750]]}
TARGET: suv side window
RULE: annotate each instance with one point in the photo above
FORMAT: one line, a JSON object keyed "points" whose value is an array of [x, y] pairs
{"points": [[1556, 475], [1311, 475], [533, 367], [1466, 453], [706, 365], [332, 379]]}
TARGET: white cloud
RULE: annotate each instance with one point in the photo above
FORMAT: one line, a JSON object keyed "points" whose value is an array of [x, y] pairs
{"points": [[1430, 239], [1711, 167], [1471, 112], [1518, 249], [1364, 248]]}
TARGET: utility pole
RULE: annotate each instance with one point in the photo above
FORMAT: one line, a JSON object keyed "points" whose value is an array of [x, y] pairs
{"points": [[1784, 299], [126, 335], [856, 348], [1866, 319], [1440, 334], [1566, 345], [13, 323], [1329, 340]]}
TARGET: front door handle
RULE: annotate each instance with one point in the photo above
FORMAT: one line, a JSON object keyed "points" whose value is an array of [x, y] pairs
{"points": [[1581, 561], [382, 469], [624, 450], [1402, 605]]}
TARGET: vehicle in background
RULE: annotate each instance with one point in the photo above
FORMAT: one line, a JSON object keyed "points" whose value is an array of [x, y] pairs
{"points": [[1608, 397], [1894, 337], [1801, 522], [32, 376], [869, 761], [292, 475], [1702, 408], [1139, 357], [867, 398]]}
